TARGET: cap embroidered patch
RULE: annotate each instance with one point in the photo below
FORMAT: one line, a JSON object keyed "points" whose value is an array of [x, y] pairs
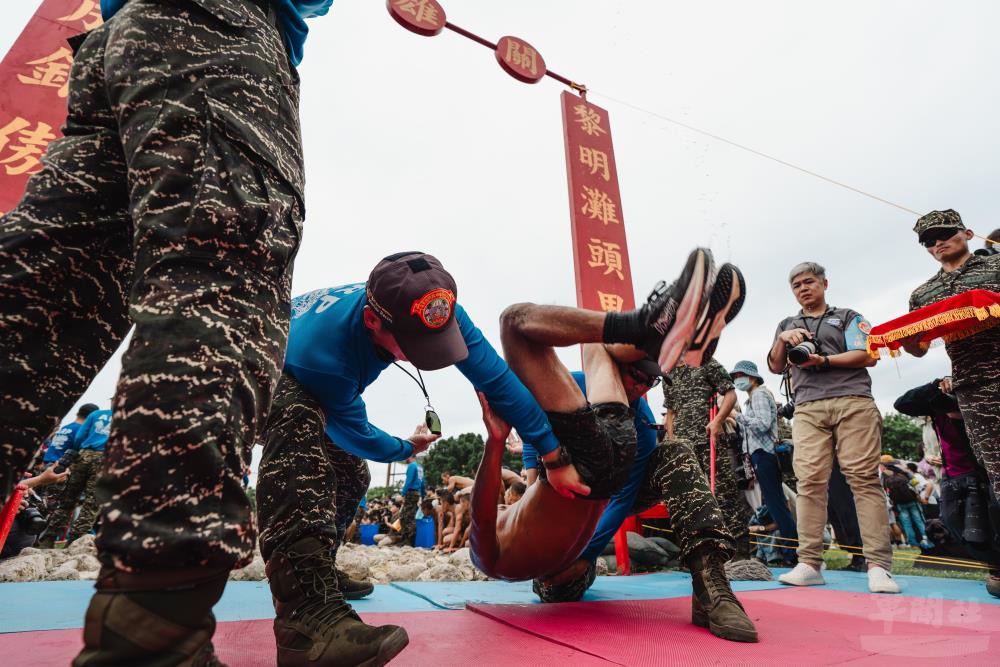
{"points": [[434, 308]]}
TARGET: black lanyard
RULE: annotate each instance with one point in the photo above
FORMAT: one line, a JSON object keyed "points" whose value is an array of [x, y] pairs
{"points": [[815, 334], [420, 382]]}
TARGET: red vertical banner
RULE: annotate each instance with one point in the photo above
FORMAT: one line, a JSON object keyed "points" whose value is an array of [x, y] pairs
{"points": [[600, 250], [34, 80]]}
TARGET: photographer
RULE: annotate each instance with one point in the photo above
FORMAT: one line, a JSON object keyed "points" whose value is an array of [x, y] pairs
{"points": [[823, 349], [759, 425], [29, 521]]}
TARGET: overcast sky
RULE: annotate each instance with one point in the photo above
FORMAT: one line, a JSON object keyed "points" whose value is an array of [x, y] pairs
{"points": [[425, 143]]}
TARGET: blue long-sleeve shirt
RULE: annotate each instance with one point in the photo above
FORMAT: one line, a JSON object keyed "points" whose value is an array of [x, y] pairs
{"points": [[62, 439], [93, 433], [621, 502], [291, 14], [414, 479], [331, 353]]}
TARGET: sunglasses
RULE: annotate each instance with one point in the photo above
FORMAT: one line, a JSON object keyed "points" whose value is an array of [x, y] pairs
{"points": [[642, 378], [932, 237]]}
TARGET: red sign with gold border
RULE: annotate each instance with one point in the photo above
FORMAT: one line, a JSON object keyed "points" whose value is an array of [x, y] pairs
{"points": [[520, 59], [600, 250], [34, 82]]}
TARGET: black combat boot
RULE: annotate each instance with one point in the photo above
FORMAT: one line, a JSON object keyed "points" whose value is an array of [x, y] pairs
{"points": [[159, 618], [713, 605], [352, 588], [314, 626]]}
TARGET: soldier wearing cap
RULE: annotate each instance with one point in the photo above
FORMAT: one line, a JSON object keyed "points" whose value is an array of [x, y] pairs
{"points": [[975, 362], [317, 437]]}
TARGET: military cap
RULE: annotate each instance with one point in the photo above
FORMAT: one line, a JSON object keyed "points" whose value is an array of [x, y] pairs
{"points": [[938, 219]]}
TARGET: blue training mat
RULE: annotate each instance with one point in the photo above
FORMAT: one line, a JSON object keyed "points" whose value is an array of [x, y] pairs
{"points": [[55, 605], [661, 585]]}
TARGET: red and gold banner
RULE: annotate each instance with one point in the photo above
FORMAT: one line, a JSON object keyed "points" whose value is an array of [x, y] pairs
{"points": [[952, 319], [34, 78], [600, 251]]}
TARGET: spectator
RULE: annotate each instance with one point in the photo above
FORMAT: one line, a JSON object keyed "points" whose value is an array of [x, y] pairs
{"points": [[832, 396], [991, 246], [514, 492], [29, 521], [759, 424], [926, 491], [764, 538], [456, 483], [463, 521], [904, 500], [968, 507], [413, 492], [446, 518], [57, 446], [89, 441]]}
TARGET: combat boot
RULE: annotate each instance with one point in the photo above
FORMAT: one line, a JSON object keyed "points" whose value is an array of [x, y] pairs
{"points": [[159, 618], [352, 588], [713, 605], [314, 626]]}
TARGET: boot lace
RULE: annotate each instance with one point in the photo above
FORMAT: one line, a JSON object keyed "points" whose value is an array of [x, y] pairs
{"points": [[317, 574], [717, 584]]}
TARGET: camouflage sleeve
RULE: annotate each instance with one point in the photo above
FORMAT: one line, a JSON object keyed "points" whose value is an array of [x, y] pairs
{"points": [[718, 378]]}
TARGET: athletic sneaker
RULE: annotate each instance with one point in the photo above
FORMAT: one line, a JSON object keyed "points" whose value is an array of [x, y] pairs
{"points": [[803, 575], [670, 314], [880, 581], [724, 304]]}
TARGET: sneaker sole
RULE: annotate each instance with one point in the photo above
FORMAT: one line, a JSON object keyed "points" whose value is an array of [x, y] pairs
{"points": [[390, 647], [678, 339], [724, 304]]}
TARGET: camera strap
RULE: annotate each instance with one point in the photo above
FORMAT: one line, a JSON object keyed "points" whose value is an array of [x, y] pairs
{"points": [[815, 334]]}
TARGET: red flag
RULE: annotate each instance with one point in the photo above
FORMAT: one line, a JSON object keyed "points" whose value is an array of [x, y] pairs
{"points": [[600, 251], [34, 79]]}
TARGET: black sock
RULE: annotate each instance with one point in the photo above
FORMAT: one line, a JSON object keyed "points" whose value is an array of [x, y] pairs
{"points": [[624, 327]]}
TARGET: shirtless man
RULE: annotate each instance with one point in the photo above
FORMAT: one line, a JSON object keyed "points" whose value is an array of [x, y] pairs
{"points": [[596, 432], [456, 483]]}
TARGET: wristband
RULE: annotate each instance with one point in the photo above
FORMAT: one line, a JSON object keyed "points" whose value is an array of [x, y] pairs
{"points": [[561, 462]]}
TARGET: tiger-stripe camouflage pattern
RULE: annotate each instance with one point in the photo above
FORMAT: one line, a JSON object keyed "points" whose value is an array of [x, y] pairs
{"points": [[408, 517], [975, 361], [689, 397], [674, 477], [174, 203], [82, 479], [306, 484]]}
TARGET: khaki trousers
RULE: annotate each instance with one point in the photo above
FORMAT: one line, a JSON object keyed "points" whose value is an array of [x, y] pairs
{"points": [[851, 425]]}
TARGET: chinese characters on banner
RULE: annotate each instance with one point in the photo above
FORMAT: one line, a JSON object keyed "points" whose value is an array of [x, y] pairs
{"points": [[34, 82], [600, 251]]}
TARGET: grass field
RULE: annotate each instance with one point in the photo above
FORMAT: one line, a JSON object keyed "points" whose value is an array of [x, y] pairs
{"points": [[902, 564]]}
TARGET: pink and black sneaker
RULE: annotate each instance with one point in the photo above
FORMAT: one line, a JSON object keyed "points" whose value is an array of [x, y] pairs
{"points": [[672, 315], [724, 304]]}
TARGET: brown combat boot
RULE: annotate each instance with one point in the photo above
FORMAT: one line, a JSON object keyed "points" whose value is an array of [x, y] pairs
{"points": [[713, 605], [314, 626], [159, 618], [353, 589]]}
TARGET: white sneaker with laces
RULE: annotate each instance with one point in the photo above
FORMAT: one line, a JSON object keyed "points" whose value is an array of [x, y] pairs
{"points": [[880, 581], [802, 575]]}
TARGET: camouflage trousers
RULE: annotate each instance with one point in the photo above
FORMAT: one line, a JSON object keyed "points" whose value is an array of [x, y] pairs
{"points": [[174, 204], [82, 479], [408, 517], [980, 407], [306, 484], [735, 510], [673, 477]]}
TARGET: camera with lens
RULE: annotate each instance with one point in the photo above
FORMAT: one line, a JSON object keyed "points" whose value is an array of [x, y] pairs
{"points": [[787, 411], [799, 354], [66, 461], [976, 528], [31, 521]]}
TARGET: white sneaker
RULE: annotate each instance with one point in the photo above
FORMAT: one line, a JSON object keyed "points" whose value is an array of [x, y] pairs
{"points": [[802, 575], [880, 581]]}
